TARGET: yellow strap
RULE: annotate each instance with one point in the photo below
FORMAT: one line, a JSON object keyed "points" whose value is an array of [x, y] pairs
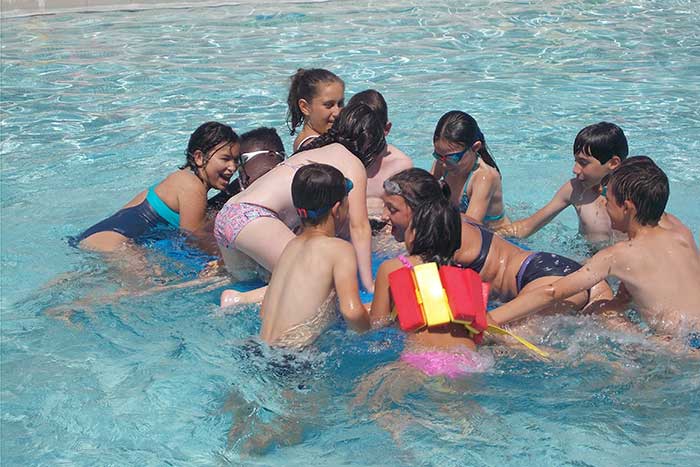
{"points": [[497, 330]]}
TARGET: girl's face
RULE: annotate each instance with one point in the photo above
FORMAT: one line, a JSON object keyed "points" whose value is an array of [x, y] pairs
{"points": [[453, 156], [398, 213], [218, 170], [324, 107]]}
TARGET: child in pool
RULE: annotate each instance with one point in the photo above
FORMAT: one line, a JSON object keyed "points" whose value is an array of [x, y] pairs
{"points": [[258, 221], [598, 150], [509, 269], [433, 234], [393, 160], [658, 267], [180, 200], [465, 163], [315, 266], [261, 151], [315, 99]]}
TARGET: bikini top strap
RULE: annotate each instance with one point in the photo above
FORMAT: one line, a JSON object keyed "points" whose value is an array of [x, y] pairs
{"points": [[405, 262]]}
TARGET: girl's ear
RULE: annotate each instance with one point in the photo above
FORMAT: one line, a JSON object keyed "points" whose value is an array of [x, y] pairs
{"points": [[629, 207], [198, 158], [335, 209], [304, 106], [387, 129], [476, 146]]}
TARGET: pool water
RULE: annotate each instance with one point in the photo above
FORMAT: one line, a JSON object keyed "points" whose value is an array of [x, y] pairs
{"points": [[96, 107]]}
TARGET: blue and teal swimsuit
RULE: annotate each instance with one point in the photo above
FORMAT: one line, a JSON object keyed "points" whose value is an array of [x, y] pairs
{"points": [[135, 221], [464, 200]]}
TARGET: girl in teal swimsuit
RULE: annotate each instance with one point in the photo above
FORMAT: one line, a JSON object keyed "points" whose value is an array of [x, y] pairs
{"points": [[463, 161], [179, 201]]}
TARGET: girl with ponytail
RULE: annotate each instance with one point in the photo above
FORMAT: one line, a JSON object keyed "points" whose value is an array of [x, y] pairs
{"points": [[465, 163]]}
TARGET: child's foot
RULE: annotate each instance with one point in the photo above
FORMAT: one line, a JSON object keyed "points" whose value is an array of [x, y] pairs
{"points": [[230, 298]]}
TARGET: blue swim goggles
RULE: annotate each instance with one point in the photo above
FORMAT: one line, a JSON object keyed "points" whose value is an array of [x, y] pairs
{"points": [[316, 213], [455, 157]]}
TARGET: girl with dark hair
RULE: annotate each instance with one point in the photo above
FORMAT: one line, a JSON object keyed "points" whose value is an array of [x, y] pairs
{"points": [[508, 268], [180, 200], [465, 163], [432, 235], [314, 101], [258, 222]]}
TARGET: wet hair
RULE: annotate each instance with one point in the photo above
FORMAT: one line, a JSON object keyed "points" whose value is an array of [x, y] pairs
{"points": [[460, 128], [358, 129], [437, 228], [641, 181], [602, 141], [317, 187], [260, 139], [205, 138], [375, 101], [416, 186], [304, 85]]}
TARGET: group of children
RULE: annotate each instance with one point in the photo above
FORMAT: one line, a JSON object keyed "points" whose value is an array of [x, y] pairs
{"points": [[306, 220]]}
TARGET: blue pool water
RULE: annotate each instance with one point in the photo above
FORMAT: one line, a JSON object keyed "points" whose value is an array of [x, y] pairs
{"points": [[95, 107]]}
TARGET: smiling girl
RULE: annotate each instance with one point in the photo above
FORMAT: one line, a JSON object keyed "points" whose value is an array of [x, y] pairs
{"points": [[180, 200]]}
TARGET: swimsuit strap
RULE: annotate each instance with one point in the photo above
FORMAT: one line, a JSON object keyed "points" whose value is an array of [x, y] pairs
{"points": [[486, 239], [405, 262], [162, 209]]}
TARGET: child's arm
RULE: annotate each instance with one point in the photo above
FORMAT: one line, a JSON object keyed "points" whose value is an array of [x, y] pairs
{"points": [[380, 311], [345, 282], [480, 199], [595, 270], [525, 227], [360, 231]]}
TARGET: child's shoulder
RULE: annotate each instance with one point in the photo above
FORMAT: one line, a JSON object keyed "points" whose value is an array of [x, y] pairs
{"points": [[183, 179]]}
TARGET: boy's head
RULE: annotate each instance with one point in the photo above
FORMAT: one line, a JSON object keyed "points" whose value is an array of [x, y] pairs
{"points": [[598, 150], [319, 190], [261, 151], [375, 101], [637, 189]]}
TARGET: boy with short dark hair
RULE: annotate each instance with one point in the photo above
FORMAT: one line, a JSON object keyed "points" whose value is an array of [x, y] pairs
{"points": [[314, 267], [658, 267], [598, 150]]}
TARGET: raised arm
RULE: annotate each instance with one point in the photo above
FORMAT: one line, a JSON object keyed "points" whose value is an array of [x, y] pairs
{"points": [[345, 282], [360, 230], [594, 271], [525, 227]]}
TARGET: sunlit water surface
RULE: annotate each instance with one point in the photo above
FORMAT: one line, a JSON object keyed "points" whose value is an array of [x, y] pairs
{"points": [[95, 107]]}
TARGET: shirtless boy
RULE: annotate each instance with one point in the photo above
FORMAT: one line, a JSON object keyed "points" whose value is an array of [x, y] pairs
{"points": [[391, 162], [598, 150], [659, 266], [299, 303]]}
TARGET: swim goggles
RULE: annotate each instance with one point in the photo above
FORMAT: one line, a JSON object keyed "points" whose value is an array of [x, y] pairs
{"points": [[247, 156], [393, 188], [455, 157], [316, 213]]}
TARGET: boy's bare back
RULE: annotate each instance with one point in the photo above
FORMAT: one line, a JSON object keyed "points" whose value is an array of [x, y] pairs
{"points": [[300, 301]]}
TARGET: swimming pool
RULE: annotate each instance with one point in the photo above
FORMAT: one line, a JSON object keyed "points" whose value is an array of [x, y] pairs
{"points": [[97, 106]]}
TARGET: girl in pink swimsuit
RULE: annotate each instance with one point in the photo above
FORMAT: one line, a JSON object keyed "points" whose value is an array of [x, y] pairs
{"points": [[433, 234]]}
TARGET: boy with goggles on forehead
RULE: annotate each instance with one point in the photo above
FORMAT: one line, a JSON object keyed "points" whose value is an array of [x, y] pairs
{"points": [[314, 268], [261, 151]]}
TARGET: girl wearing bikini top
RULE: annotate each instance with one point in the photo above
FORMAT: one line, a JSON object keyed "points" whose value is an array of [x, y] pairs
{"points": [[465, 163], [315, 99], [509, 269]]}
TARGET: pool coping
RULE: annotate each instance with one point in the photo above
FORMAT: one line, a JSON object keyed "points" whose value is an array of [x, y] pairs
{"points": [[23, 8]]}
